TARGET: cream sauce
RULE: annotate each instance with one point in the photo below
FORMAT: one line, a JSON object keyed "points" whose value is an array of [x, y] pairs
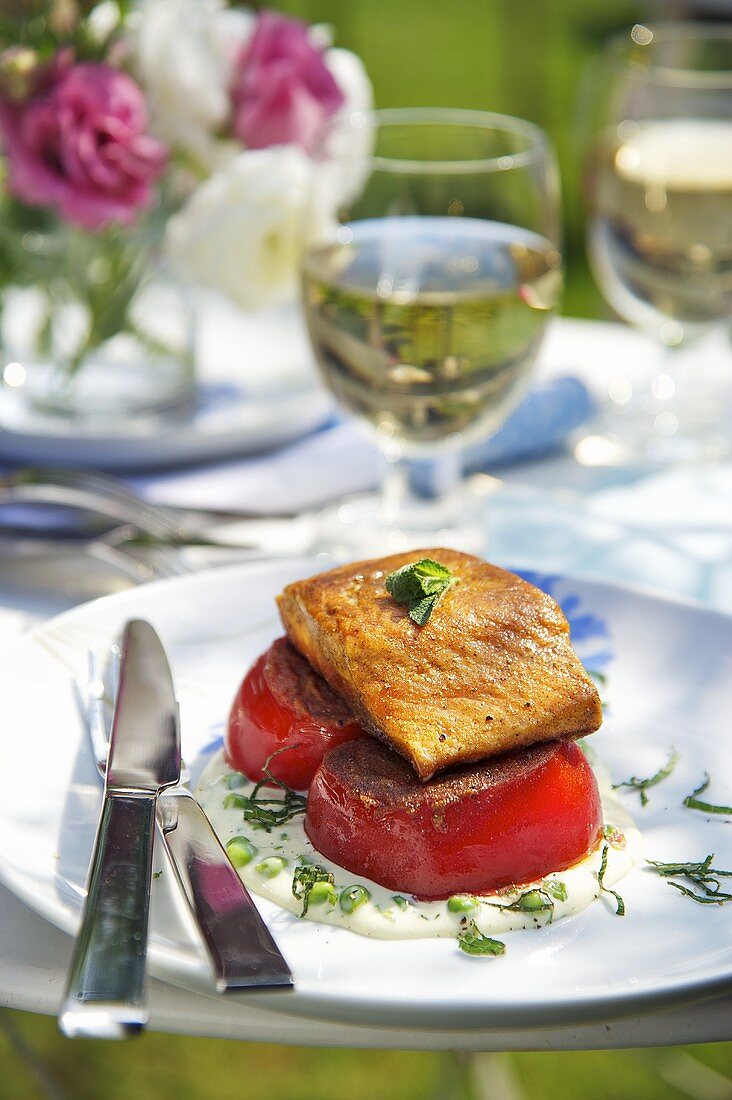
{"points": [[386, 915]]}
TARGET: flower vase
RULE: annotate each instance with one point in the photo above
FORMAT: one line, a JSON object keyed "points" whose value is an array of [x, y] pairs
{"points": [[95, 333]]}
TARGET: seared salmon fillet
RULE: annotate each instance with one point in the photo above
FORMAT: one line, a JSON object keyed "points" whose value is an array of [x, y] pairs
{"points": [[491, 670]]}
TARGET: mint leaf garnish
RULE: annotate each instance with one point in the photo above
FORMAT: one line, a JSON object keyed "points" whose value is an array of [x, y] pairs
{"points": [[418, 586], [642, 785], [620, 910], [694, 803], [313, 884], [473, 942], [703, 877]]}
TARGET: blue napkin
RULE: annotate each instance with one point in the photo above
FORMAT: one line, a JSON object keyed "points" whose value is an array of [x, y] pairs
{"points": [[338, 460], [542, 422]]}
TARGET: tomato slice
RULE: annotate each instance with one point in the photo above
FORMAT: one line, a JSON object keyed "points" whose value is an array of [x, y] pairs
{"points": [[283, 704], [506, 821]]}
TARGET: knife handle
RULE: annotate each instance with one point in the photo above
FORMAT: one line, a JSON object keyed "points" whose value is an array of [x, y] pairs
{"points": [[104, 995], [240, 947]]}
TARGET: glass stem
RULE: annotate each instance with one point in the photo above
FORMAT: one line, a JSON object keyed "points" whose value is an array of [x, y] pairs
{"points": [[422, 491]]}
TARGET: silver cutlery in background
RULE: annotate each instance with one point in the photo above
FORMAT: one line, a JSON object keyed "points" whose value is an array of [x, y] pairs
{"points": [[241, 951], [104, 996]]}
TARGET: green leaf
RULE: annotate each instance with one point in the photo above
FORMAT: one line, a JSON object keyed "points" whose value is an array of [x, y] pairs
{"points": [[620, 904], [531, 901], [557, 890], [404, 584], [313, 883], [473, 942], [701, 875], [420, 612], [418, 586], [693, 803], [642, 785]]}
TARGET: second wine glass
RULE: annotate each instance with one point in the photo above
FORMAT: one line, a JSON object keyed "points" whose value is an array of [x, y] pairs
{"points": [[426, 300]]}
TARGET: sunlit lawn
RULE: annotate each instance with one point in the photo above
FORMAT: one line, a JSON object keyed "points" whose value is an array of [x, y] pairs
{"points": [[524, 57], [164, 1067]]}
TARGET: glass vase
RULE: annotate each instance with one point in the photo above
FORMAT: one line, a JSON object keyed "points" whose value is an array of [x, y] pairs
{"points": [[95, 332]]}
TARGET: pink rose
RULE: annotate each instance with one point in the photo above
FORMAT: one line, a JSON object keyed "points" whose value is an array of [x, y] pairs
{"points": [[79, 144], [283, 91]]}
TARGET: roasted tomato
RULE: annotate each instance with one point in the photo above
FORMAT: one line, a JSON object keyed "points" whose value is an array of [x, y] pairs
{"points": [[283, 704], [509, 820]]}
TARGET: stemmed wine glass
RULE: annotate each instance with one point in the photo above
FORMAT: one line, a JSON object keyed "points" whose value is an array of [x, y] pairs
{"points": [[427, 294], [658, 187]]}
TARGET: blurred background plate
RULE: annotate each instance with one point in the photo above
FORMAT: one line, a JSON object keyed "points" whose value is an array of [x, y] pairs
{"points": [[257, 390]]}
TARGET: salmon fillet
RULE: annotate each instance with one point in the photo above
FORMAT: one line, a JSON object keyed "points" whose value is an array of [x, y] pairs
{"points": [[491, 670]]}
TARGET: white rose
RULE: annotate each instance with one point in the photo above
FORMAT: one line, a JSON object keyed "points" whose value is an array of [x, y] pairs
{"points": [[240, 233], [184, 52], [343, 173], [350, 75]]}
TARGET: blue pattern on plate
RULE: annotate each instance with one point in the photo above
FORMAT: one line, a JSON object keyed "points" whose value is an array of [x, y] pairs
{"points": [[589, 632]]}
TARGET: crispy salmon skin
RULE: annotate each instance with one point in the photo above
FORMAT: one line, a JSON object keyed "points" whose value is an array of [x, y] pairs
{"points": [[491, 670]]}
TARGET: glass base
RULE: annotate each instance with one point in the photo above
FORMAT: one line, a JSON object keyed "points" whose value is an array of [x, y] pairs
{"points": [[673, 409], [362, 527]]}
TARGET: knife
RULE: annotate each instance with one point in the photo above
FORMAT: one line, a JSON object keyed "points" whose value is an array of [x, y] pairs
{"points": [[104, 996], [240, 949]]}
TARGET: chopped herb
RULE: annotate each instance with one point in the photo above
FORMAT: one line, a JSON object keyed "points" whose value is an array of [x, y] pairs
{"points": [[557, 889], [694, 803], [472, 941], [531, 901], [419, 586], [312, 883], [620, 911], [266, 811], [701, 875], [353, 897], [157, 874], [642, 785], [400, 902]]}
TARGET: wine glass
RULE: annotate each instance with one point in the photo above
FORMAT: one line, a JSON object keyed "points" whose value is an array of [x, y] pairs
{"points": [[426, 296], [658, 188]]}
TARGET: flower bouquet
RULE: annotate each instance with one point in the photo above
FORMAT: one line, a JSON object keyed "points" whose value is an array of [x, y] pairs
{"points": [[149, 148]]}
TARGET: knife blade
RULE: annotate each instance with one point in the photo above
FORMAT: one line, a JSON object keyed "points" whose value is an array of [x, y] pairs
{"points": [[104, 995], [241, 951]]}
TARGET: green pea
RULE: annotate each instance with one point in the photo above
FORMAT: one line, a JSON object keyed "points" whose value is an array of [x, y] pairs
{"points": [[322, 893], [271, 866], [534, 901], [234, 781], [240, 851], [353, 897], [460, 903]]}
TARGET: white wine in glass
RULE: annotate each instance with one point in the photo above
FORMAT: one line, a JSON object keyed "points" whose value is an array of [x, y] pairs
{"points": [[658, 185], [427, 301]]}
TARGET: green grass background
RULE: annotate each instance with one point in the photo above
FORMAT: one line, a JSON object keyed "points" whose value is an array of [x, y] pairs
{"points": [[524, 57]]}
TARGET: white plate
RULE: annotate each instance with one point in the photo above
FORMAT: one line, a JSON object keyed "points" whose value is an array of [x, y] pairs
{"points": [[669, 667], [258, 390]]}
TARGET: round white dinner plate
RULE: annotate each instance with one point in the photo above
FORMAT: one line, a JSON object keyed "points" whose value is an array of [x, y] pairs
{"points": [[668, 667], [257, 389]]}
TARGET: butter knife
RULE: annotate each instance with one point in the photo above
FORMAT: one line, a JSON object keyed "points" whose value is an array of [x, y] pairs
{"points": [[105, 990], [240, 949]]}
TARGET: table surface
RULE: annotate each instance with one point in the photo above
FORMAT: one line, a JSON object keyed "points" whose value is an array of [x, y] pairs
{"points": [[670, 530]]}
